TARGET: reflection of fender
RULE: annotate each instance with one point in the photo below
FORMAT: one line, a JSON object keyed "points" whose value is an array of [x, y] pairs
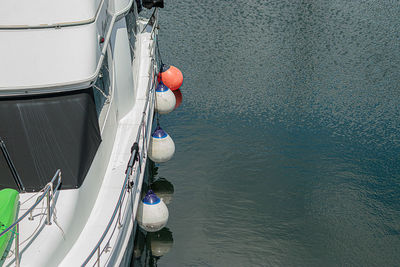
{"points": [[140, 239], [178, 98], [149, 4], [163, 189], [8, 211], [160, 242]]}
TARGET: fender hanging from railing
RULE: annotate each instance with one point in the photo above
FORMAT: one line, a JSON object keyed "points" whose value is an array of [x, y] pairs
{"points": [[137, 153]]}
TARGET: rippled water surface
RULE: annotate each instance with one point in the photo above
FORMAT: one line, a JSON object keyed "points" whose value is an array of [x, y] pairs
{"points": [[288, 138]]}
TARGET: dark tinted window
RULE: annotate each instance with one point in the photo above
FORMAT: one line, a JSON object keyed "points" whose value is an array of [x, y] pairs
{"points": [[102, 87]]}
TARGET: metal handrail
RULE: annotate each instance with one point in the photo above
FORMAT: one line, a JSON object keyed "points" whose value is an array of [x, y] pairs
{"points": [[134, 157], [131, 164], [47, 190]]}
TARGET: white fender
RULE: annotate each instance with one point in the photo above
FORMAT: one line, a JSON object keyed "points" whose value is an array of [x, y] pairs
{"points": [[165, 99], [161, 147], [152, 214]]}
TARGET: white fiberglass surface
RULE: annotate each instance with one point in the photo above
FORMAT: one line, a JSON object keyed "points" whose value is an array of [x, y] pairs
{"points": [[27, 12], [35, 237], [42, 57]]}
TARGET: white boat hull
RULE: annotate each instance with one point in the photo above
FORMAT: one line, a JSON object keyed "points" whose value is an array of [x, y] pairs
{"points": [[81, 216]]}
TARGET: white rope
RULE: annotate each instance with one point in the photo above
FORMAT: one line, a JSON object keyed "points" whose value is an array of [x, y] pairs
{"points": [[55, 221], [102, 92], [34, 232], [42, 216], [11, 252], [32, 196]]}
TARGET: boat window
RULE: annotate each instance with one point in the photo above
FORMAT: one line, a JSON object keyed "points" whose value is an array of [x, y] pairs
{"points": [[47, 132], [132, 28], [101, 89]]}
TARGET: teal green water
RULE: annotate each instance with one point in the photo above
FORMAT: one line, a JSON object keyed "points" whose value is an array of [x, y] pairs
{"points": [[288, 138]]}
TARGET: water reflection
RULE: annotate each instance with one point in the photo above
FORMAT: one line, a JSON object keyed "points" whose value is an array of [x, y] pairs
{"points": [[178, 97], [163, 188], [150, 247]]}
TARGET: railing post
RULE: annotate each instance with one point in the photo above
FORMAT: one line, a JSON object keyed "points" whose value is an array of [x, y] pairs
{"points": [[31, 213], [48, 217], [98, 256], [119, 217], [30, 216], [16, 245], [144, 135]]}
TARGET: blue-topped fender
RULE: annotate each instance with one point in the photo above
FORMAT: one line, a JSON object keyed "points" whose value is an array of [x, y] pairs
{"points": [[161, 87], [151, 198], [159, 133]]}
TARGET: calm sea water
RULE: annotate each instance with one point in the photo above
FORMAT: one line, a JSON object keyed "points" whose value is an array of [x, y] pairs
{"points": [[288, 138]]}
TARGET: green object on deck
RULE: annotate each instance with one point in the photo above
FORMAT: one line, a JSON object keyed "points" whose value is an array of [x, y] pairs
{"points": [[8, 211]]}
